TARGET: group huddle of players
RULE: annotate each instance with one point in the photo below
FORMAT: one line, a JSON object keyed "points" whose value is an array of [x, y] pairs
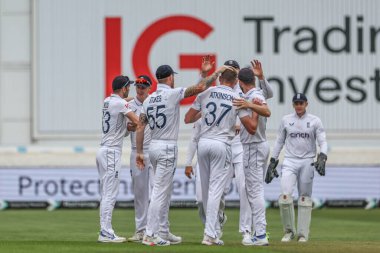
{"points": [[229, 137]]}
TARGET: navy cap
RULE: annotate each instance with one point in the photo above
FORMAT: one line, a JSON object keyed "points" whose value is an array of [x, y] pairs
{"points": [[299, 97], [164, 71], [246, 75], [143, 80], [120, 82], [232, 63]]}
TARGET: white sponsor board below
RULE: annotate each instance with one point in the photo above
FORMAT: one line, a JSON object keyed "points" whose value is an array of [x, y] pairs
{"points": [[81, 184]]}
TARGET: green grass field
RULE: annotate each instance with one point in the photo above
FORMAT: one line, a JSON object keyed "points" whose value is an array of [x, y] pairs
{"points": [[332, 230]]}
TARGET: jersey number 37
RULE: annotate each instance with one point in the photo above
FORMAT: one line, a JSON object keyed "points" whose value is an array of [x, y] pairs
{"points": [[211, 115]]}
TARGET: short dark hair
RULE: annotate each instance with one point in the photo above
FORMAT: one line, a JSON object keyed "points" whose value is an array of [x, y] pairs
{"points": [[246, 75], [229, 76]]}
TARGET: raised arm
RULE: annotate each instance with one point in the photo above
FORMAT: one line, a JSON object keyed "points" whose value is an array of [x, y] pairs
{"points": [[263, 83], [205, 83], [266, 88], [206, 65]]}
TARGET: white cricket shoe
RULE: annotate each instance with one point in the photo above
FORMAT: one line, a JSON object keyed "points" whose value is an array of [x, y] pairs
{"points": [[137, 237], [302, 239], [207, 240], [219, 234], [260, 240], [108, 237], [154, 241], [173, 239], [287, 237], [247, 239]]}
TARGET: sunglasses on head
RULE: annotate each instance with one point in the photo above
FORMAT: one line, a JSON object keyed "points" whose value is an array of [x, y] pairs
{"points": [[142, 81]]}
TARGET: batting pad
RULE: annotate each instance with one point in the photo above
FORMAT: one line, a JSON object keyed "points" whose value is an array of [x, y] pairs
{"points": [[287, 213], [304, 216]]}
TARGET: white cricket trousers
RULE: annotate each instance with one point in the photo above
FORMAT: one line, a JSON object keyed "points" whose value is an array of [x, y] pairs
{"points": [[142, 183], [198, 195], [255, 166], [245, 216], [214, 158], [163, 156], [108, 162], [297, 171]]}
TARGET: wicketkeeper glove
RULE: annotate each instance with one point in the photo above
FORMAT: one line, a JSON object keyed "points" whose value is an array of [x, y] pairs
{"points": [[320, 164], [271, 172]]}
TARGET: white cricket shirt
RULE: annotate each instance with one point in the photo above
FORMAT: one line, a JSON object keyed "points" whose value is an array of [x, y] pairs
{"points": [[259, 136], [218, 113], [162, 111], [299, 134], [114, 121]]}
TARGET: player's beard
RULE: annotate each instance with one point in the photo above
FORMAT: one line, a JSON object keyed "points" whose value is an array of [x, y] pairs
{"points": [[125, 94]]}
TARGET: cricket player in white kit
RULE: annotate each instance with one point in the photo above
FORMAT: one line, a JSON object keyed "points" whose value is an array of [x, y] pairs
{"points": [[299, 132], [256, 152], [218, 119], [161, 113], [108, 159], [245, 220], [206, 66], [142, 180]]}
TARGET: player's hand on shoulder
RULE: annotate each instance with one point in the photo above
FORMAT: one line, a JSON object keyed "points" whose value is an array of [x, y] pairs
{"points": [[257, 101], [240, 103]]}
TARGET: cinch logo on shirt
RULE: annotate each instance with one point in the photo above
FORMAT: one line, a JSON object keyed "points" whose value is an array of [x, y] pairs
{"points": [[299, 135]]}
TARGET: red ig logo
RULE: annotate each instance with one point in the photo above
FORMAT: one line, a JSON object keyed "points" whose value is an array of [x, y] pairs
{"points": [[144, 44]]}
